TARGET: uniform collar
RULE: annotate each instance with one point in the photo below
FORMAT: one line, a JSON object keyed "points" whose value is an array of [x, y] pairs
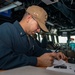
{"points": [[19, 28]]}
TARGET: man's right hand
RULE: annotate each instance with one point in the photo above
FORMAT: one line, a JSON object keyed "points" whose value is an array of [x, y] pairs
{"points": [[45, 60]]}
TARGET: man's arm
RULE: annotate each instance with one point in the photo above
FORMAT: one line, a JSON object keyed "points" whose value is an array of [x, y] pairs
{"points": [[8, 58], [39, 50]]}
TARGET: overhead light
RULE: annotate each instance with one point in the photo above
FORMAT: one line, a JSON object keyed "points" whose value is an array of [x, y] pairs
{"points": [[49, 1], [10, 6]]}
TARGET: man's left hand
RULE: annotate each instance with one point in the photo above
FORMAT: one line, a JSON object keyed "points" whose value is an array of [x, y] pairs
{"points": [[60, 55]]}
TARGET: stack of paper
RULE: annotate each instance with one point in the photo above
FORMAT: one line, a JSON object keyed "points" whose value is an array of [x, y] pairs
{"points": [[70, 68]]}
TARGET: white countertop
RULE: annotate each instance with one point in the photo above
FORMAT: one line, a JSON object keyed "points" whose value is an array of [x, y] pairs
{"points": [[30, 70]]}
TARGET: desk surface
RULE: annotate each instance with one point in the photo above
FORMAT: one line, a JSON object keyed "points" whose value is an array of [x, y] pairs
{"points": [[30, 70]]}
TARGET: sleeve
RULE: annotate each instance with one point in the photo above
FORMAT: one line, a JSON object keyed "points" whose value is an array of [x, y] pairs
{"points": [[38, 51], [9, 60]]}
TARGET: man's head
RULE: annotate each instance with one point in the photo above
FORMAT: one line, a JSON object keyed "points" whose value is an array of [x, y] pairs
{"points": [[34, 20], [39, 14]]}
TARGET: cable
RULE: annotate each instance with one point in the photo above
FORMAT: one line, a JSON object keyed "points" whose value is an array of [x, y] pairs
{"points": [[39, 3], [63, 13], [67, 6], [71, 2]]}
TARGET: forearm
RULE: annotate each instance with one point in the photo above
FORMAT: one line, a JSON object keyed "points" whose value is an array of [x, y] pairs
{"points": [[10, 59], [39, 50], [14, 61]]}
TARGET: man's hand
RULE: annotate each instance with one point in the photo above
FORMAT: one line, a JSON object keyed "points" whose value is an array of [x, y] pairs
{"points": [[60, 55], [47, 59]]}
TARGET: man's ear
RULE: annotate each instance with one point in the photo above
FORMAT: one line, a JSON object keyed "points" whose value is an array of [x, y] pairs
{"points": [[28, 18]]}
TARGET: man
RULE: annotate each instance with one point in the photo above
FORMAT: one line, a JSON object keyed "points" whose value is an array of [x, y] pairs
{"points": [[18, 48]]}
